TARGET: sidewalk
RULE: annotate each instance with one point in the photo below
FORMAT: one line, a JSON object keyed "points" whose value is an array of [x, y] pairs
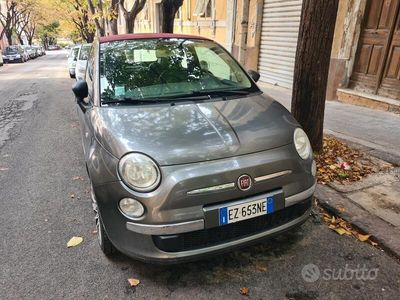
{"points": [[378, 131], [372, 204]]}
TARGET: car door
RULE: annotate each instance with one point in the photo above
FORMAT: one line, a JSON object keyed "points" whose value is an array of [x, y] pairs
{"points": [[85, 109]]}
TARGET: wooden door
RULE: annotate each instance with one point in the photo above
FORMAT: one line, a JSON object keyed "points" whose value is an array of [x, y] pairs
{"points": [[374, 44], [390, 85]]}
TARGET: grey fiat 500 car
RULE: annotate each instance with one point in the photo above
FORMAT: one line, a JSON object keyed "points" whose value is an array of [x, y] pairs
{"points": [[185, 155]]}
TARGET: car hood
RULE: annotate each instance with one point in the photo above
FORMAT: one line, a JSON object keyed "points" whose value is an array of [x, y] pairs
{"points": [[187, 133]]}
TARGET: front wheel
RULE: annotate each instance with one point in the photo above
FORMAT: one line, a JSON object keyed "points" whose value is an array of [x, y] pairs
{"points": [[105, 244]]}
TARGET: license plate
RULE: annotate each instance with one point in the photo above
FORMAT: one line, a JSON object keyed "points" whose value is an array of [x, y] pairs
{"points": [[248, 210], [11, 58]]}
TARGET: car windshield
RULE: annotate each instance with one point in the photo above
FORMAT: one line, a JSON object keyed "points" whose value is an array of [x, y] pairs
{"points": [[83, 55], [11, 50], [168, 69]]}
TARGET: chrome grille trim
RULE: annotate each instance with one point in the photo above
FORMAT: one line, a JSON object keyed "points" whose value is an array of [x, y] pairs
{"points": [[271, 176], [212, 188]]}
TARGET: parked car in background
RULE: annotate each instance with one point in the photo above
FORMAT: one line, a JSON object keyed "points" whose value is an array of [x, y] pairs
{"points": [[186, 156], [38, 50], [42, 50], [31, 52], [81, 62], [27, 50], [54, 47], [72, 58], [14, 53]]}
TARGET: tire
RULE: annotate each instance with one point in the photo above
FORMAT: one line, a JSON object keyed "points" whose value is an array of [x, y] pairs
{"points": [[104, 242], [71, 75]]}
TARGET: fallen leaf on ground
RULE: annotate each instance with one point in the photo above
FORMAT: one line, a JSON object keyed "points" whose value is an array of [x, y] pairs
{"points": [[77, 178], [94, 232], [4, 169], [74, 241], [373, 243], [72, 196], [133, 281], [363, 237], [340, 230], [244, 291], [339, 162], [261, 268]]}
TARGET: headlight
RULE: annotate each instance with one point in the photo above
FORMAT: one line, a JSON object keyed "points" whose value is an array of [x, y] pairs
{"points": [[17, 56], [302, 143], [139, 172]]}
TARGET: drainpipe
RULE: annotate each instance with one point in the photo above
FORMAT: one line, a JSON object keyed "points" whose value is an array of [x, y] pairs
{"points": [[243, 29], [230, 25]]}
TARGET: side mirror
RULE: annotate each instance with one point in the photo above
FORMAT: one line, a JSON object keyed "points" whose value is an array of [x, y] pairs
{"points": [[80, 90], [254, 74]]}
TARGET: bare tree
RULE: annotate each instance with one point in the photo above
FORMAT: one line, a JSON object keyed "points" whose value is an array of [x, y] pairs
{"points": [[130, 15], [22, 21], [30, 30], [314, 45], [169, 9], [113, 16], [97, 14], [8, 20], [82, 21], [105, 14]]}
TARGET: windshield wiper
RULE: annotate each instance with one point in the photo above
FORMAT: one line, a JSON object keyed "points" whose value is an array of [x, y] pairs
{"points": [[127, 100], [192, 95], [153, 100], [220, 92]]}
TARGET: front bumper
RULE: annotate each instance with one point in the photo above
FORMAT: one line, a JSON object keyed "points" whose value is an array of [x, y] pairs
{"points": [[194, 225], [193, 245], [177, 206]]}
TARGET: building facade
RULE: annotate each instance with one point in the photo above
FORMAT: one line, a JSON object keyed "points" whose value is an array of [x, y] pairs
{"points": [[199, 17], [262, 35], [365, 60]]}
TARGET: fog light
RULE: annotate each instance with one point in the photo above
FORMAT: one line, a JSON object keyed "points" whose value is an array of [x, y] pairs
{"points": [[314, 168], [131, 208]]}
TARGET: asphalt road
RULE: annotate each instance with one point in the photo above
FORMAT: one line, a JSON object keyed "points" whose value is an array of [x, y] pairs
{"points": [[40, 154]]}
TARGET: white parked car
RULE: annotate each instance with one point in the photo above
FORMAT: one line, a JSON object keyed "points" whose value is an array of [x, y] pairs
{"points": [[81, 62], [72, 58]]}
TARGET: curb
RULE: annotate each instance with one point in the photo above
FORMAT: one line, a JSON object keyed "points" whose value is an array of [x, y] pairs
{"points": [[386, 235]]}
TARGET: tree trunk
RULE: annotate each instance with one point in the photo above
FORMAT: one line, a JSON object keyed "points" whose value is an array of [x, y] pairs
{"points": [[314, 45], [169, 9], [113, 21], [30, 40], [98, 23], [9, 37], [130, 15], [113, 25]]}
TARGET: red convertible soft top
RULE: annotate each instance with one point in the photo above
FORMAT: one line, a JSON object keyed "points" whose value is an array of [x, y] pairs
{"points": [[136, 36]]}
